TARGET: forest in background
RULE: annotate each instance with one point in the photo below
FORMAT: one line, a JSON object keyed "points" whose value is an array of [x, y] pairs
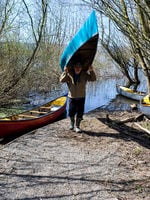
{"points": [[34, 34]]}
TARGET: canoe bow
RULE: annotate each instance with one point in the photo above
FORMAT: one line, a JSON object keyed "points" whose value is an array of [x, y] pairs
{"points": [[82, 48]]}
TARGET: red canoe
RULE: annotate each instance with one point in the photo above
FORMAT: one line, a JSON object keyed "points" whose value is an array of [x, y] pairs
{"points": [[32, 119]]}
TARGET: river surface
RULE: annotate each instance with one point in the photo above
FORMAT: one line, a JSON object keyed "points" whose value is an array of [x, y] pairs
{"points": [[99, 94]]}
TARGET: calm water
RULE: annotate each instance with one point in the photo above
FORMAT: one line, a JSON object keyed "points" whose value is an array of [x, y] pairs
{"points": [[104, 94], [99, 94]]}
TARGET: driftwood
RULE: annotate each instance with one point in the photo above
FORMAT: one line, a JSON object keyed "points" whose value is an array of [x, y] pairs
{"points": [[134, 119], [139, 117], [144, 129], [123, 128]]}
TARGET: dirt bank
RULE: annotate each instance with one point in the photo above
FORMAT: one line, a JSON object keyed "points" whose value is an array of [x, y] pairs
{"points": [[108, 161]]}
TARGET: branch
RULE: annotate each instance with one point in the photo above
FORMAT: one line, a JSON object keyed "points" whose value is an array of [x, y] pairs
{"points": [[143, 129], [38, 40], [129, 119], [31, 20]]}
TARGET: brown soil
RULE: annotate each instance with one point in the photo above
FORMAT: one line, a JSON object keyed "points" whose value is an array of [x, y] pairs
{"points": [[109, 160]]}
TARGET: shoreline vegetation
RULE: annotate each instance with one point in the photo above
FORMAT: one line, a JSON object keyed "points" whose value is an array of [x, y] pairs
{"points": [[110, 159], [15, 106], [30, 59]]}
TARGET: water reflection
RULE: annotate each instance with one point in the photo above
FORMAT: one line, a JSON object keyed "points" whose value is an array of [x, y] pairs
{"points": [[120, 103], [103, 94], [99, 94]]}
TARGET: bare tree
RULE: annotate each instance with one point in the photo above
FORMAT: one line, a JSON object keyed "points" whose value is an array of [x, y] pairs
{"points": [[33, 35], [37, 39], [132, 18], [6, 18], [118, 47]]}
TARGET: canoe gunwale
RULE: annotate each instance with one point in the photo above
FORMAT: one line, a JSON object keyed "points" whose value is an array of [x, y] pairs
{"points": [[130, 93], [32, 110], [85, 55], [16, 127]]}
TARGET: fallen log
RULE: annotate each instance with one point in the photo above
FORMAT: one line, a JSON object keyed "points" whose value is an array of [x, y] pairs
{"points": [[142, 128], [139, 117], [123, 128]]}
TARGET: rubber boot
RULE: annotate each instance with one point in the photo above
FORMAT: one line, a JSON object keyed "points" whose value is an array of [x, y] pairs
{"points": [[77, 129], [71, 127]]}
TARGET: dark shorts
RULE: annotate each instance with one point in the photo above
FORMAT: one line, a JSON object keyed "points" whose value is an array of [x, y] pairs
{"points": [[76, 107]]}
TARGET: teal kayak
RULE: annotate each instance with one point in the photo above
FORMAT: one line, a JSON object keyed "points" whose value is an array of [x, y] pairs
{"points": [[83, 46]]}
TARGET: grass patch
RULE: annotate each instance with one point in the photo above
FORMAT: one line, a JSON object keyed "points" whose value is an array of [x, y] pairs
{"points": [[146, 124]]}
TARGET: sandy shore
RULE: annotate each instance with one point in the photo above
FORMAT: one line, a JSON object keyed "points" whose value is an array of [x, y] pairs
{"points": [[56, 163]]}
